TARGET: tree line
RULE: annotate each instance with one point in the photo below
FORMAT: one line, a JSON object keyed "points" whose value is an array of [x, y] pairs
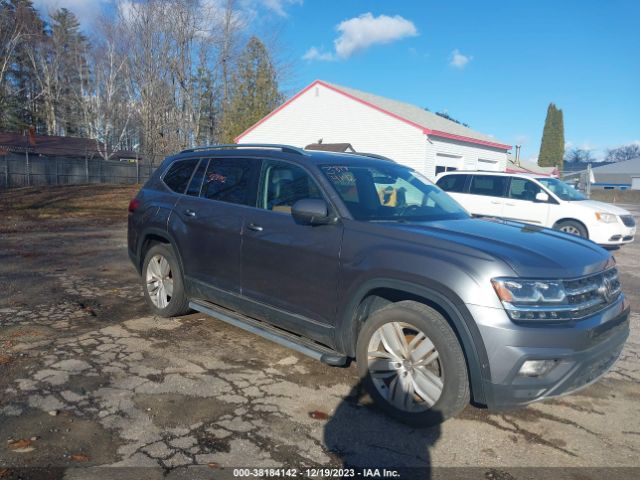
{"points": [[155, 76]]}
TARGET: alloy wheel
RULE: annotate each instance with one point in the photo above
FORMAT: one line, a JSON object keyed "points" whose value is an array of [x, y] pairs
{"points": [[159, 281], [405, 367]]}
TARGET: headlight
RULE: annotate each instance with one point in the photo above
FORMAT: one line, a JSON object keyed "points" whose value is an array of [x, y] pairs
{"points": [[557, 300], [606, 217]]}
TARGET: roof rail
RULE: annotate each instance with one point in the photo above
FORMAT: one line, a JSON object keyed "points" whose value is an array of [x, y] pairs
{"points": [[372, 155], [283, 148]]}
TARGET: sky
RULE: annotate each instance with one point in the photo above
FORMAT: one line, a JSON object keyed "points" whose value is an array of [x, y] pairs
{"points": [[495, 65]]}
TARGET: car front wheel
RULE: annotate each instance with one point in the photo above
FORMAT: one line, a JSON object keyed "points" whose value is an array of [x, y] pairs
{"points": [[410, 361]]}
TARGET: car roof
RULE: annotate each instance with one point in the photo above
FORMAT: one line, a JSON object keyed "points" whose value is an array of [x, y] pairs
{"points": [[285, 152], [490, 172]]}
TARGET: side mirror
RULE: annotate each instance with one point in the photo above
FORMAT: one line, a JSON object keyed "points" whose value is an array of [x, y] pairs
{"points": [[311, 211], [542, 197]]}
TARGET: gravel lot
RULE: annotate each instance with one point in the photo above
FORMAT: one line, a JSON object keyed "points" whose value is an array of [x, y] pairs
{"points": [[88, 378]]}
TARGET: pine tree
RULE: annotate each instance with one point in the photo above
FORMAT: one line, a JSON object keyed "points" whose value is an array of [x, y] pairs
{"points": [[552, 145], [255, 91], [69, 47]]}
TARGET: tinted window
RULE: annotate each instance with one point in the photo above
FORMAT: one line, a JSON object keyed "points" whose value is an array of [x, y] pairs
{"points": [[390, 193], [490, 185], [453, 183], [283, 184], [523, 189], [179, 174], [231, 180], [196, 180]]}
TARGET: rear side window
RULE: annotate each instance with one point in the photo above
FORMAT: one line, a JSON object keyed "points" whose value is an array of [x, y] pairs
{"points": [[232, 180], [453, 183], [490, 185], [178, 175], [196, 181]]}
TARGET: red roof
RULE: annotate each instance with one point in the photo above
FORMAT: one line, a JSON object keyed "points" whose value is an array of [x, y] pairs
{"points": [[48, 144]]}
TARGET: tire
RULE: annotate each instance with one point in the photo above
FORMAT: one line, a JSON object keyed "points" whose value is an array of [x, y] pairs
{"points": [[572, 227], [161, 265], [424, 406]]}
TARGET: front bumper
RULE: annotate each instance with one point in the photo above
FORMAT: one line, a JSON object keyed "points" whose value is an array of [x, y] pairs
{"points": [[612, 234], [585, 350]]}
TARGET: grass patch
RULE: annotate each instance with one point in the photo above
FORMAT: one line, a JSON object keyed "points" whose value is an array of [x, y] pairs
{"points": [[93, 203]]}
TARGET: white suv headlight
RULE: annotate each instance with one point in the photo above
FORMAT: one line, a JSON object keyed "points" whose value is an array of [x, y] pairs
{"points": [[606, 217]]}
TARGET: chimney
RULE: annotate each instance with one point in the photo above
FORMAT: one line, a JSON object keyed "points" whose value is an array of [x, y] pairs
{"points": [[32, 136]]}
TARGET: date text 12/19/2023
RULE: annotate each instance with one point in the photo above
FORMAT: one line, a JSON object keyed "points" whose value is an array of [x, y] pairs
{"points": [[315, 472]]}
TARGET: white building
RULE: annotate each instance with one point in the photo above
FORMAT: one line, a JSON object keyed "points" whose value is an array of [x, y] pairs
{"points": [[401, 131]]}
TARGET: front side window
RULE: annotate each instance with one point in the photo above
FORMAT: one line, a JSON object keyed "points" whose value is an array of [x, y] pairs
{"points": [[563, 190], [453, 183], [391, 193], [179, 174], [231, 180], [489, 185], [283, 184], [523, 189]]}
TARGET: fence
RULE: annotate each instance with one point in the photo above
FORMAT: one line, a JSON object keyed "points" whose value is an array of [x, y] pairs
{"points": [[22, 170]]}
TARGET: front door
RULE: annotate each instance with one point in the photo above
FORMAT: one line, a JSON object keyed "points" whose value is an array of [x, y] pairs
{"points": [[521, 204], [292, 268]]}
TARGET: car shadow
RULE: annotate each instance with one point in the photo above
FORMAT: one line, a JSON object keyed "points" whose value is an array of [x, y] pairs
{"points": [[362, 437]]}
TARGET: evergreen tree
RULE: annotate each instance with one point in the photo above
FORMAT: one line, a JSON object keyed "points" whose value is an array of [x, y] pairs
{"points": [[69, 47], [552, 145], [254, 93]]}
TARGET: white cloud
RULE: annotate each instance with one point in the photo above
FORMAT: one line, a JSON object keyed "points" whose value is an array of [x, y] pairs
{"points": [[279, 6], [360, 33], [459, 60], [85, 10], [315, 54]]}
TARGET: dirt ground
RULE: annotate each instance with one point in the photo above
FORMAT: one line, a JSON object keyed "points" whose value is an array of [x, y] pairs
{"points": [[89, 380]]}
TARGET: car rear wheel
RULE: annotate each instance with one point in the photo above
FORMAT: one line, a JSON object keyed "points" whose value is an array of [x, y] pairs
{"points": [[572, 227], [162, 282], [411, 363]]}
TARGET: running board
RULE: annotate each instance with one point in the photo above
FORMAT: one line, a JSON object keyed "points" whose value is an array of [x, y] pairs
{"points": [[276, 335]]}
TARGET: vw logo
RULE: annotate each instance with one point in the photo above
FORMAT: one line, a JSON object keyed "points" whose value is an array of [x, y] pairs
{"points": [[606, 289]]}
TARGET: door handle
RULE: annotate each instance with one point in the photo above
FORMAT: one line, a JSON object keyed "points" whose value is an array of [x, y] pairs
{"points": [[254, 227], [495, 203], [510, 204], [190, 213]]}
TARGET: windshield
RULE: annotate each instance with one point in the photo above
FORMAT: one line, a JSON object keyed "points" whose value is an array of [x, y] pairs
{"points": [[391, 193], [563, 190]]}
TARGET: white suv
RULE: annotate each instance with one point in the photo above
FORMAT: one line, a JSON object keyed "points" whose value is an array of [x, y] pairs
{"points": [[539, 200]]}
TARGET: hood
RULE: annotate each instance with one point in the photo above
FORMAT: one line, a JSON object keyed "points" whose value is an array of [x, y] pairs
{"points": [[530, 251], [602, 207]]}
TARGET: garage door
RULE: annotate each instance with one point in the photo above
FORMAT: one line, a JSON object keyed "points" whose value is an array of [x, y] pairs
{"points": [[635, 183]]}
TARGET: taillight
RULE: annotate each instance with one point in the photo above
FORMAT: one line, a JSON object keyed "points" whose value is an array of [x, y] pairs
{"points": [[133, 205]]}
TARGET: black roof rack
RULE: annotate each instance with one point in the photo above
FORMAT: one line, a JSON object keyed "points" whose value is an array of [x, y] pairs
{"points": [[284, 148], [372, 155]]}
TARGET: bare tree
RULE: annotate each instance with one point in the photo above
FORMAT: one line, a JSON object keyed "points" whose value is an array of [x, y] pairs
{"points": [[108, 115]]}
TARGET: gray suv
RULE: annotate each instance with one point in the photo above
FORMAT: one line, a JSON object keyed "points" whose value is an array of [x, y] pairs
{"points": [[352, 256]]}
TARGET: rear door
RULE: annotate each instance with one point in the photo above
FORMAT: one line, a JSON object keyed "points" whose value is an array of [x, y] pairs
{"points": [[486, 195], [292, 268], [207, 223], [521, 204]]}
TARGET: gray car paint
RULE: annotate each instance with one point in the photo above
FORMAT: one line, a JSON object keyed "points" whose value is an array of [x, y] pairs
{"points": [[449, 263]]}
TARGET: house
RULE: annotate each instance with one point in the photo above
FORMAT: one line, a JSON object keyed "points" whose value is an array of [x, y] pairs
{"points": [[406, 133], [620, 175], [48, 145], [522, 166]]}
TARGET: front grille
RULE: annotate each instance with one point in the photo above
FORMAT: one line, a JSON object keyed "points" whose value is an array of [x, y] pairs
{"points": [[590, 294], [627, 238], [628, 220]]}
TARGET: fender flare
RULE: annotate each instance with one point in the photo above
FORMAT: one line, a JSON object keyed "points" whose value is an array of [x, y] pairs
{"points": [[438, 294], [162, 234]]}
